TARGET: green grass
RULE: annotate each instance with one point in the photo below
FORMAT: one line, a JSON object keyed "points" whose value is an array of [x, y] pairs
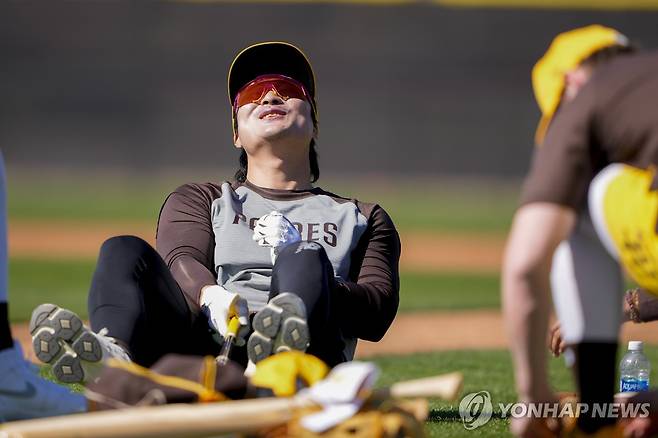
{"points": [[439, 205], [446, 291], [66, 283], [446, 212], [34, 281], [483, 371], [86, 201], [452, 291]]}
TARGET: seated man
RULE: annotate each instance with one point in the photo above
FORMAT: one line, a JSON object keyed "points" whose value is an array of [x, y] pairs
{"points": [[307, 268]]}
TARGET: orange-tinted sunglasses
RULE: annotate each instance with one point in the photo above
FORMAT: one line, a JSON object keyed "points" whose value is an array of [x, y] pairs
{"points": [[284, 86]]}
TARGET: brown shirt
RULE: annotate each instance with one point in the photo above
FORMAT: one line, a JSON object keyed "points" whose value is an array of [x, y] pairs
{"points": [[205, 237], [614, 119]]}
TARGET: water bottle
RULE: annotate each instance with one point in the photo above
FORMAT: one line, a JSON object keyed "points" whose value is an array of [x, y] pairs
{"points": [[634, 369]]}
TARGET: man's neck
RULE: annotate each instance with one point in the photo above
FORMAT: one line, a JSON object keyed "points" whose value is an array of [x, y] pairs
{"points": [[275, 174]]}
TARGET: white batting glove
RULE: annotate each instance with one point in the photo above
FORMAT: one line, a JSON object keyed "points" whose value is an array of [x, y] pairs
{"points": [[220, 305], [275, 231]]}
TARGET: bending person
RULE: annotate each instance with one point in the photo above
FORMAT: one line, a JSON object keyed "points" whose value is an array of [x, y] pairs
{"points": [[588, 207]]}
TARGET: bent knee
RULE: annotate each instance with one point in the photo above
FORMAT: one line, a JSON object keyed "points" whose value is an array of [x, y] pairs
{"points": [[308, 250], [126, 244]]}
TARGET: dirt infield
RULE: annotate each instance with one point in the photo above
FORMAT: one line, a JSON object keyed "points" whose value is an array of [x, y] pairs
{"points": [[454, 252], [434, 331], [465, 330]]}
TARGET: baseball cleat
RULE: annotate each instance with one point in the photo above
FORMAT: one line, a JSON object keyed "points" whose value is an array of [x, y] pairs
{"points": [[23, 394], [76, 354], [279, 326]]}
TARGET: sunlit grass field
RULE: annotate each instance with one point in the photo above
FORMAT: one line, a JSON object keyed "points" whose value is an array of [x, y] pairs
{"points": [[440, 207], [486, 370]]}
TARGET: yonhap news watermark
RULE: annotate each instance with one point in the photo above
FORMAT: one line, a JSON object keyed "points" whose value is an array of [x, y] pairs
{"points": [[476, 409]]}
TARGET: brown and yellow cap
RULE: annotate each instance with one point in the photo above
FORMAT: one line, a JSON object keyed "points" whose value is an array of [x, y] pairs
{"points": [[565, 53]]}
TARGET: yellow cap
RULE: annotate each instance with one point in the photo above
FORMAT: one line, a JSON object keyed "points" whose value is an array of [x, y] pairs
{"points": [[565, 53]]}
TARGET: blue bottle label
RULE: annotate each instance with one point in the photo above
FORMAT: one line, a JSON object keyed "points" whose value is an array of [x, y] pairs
{"points": [[634, 385]]}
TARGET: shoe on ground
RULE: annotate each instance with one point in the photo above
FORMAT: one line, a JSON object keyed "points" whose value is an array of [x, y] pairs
{"points": [[24, 395], [76, 353], [279, 326]]}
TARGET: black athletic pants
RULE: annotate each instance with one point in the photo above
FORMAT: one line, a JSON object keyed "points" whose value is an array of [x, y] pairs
{"points": [[135, 297]]}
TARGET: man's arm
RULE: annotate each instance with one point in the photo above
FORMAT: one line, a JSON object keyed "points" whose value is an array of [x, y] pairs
{"points": [[537, 230], [185, 238], [369, 304]]}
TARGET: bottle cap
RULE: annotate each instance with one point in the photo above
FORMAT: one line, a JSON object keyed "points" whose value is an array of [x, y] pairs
{"points": [[635, 345]]}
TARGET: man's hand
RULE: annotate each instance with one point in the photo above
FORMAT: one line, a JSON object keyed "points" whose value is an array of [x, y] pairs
{"points": [[219, 305], [556, 344], [275, 231]]}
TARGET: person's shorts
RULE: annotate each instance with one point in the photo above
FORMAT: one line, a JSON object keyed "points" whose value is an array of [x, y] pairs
{"points": [[624, 211]]}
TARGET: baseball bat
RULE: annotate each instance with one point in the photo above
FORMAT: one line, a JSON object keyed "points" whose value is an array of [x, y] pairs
{"points": [[173, 420], [241, 416], [229, 339], [445, 386]]}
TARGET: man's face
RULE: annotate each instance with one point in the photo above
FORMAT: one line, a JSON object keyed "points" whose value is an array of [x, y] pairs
{"points": [[273, 118]]}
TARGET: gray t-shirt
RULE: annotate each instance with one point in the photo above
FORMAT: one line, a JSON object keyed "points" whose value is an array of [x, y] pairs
{"points": [[205, 237]]}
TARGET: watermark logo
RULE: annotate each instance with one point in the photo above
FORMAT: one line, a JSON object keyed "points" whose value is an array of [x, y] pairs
{"points": [[476, 409]]}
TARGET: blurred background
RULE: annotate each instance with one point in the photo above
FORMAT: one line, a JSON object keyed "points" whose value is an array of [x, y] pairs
{"points": [[425, 107], [403, 89]]}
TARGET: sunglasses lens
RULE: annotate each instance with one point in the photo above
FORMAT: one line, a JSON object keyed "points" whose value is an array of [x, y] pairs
{"points": [[289, 89], [250, 94], [256, 90]]}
